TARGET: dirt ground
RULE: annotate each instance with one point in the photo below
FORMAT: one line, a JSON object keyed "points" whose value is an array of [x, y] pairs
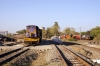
{"points": [[47, 57], [40, 61]]}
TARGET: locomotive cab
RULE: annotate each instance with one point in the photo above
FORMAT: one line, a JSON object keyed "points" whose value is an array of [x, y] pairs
{"points": [[33, 34]]}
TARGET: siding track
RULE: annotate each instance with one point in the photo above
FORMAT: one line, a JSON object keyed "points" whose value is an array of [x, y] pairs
{"points": [[70, 57], [7, 56]]}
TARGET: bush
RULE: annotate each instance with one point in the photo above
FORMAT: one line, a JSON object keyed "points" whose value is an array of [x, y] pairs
{"points": [[64, 39], [97, 38], [71, 39]]}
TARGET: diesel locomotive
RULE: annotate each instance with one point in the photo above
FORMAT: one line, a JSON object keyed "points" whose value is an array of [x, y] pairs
{"points": [[33, 35]]}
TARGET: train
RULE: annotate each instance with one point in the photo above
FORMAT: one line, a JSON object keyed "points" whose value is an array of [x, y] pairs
{"points": [[33, 35], [78, 37]]}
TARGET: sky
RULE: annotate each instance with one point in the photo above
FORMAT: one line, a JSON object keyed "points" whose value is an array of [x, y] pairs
{"points": [[17, 14]]}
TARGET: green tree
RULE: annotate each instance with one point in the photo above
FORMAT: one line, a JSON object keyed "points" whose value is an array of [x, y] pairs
{"points": [[9, 35], [61, 33], [76, 33], [55, 29], [69, 31], [83, 33], [95, 31], [50, 32], [21, 31], [72, 30], [44, 33]]}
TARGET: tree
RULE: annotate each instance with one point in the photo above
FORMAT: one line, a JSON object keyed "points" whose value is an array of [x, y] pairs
{"points": [[95, 31], [55, 29], [9, 35], [61, 33], [76, 33], [51, 31], [72, 30], [83, 33], [21, 31], [43, 33], [48, 32], [69, 31]]}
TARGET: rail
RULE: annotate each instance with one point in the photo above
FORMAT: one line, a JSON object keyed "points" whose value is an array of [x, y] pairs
{"points": [[5, 57], [70, 57]]}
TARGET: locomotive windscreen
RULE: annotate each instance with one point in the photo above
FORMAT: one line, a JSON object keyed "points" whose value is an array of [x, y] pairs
{"points": [[31, 28], [31, 31]]}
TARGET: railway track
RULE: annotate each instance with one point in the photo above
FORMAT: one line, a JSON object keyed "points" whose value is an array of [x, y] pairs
{"points": [[71, 58], [17, 44], [90, 53], [63, 61], [92, 48], [12, 44], [7, 56]]}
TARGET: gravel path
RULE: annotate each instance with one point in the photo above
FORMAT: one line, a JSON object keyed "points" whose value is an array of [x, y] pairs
{"points": [[52, 58]]}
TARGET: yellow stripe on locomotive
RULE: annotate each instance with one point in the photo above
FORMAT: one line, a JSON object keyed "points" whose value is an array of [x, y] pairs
{"points": [[31, 39]]}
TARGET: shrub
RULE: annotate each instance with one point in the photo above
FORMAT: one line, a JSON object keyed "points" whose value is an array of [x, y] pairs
{"points": [[97, 38], [71, 39]]}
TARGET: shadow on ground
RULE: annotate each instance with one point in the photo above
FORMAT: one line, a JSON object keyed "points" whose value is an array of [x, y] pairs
{"points": [[69, 43], [49, 42], [1, 43]]}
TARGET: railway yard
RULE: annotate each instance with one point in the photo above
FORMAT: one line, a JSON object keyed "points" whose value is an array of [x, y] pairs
{"points": [[49, 53], [49, 32]]}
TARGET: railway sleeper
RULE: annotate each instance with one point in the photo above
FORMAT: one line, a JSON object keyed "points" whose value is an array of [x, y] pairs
{"points": [[94, 42]]}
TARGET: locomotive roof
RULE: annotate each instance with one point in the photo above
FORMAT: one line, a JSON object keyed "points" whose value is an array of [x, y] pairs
{"points": [[31, 25]]}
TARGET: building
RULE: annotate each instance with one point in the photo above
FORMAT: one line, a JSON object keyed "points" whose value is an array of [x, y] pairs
{"points": [[5, 33], [43, 28]]}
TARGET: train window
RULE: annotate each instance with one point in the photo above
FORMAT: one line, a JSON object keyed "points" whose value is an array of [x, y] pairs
{"points": [[29, 27]]}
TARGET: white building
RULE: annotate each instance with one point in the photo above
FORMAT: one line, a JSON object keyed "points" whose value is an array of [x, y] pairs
{"points": [[5, 33], [42, 28]]}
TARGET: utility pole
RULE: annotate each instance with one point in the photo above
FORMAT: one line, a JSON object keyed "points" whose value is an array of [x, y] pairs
{"points": [[80, 33]]}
